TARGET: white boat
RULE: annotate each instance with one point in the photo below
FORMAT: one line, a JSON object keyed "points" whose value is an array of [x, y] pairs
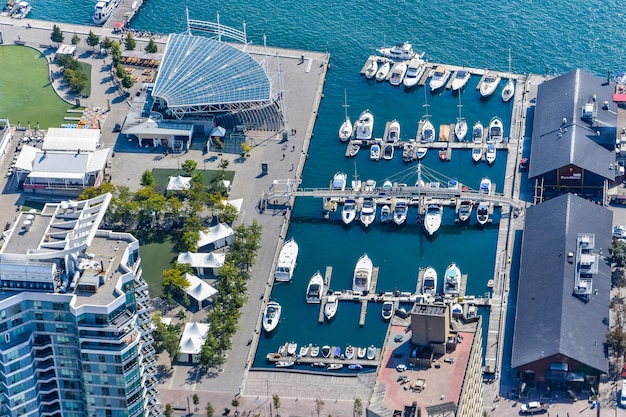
{"points": [[362, 275], [291, 348], [375, 152], [304, 350], [421, 152], [388, 151], [23, 8], [348, 212], [400, 212], [371, 352], [414, 72], [368, 211], [477, 153], [452, 280], [318, 365], [284, 364], [354, 149], [485, 186], [385, 214], [339, 181], [489, 85], [370, 185], [356, 182], [372, 68], [393, 132], [364, 126], [428, 131], [465, 210], [397, 73], [334, 366], [439, 78], [387, 311], [429, 281], [482, 213], [271, 316], [349, 352], [286, 261], [401, 51], [315, 351], [315, 289], [103, 10], [508, 91], [490, 155], [460, 128], [478, 132], [330, 308], [360, 352], [355, 367], [432, 218], [326, 351], [383, 71], [460, 79], [345, 130], [496, 130]]}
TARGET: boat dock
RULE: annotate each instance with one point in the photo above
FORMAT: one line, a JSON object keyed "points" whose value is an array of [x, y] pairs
{"points": [[296, 358], [123, 13]]}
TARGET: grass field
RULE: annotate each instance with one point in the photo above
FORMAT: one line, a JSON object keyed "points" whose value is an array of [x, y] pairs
{"points": [[86, 92], [25, 91]]}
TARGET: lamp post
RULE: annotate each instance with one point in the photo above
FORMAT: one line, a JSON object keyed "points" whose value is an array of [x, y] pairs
{"points": [[267, 387]]}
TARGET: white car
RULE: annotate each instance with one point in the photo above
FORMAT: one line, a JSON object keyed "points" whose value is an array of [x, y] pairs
{"points": [[533, 407], [619, 232], [401, 367], [622, 395]]}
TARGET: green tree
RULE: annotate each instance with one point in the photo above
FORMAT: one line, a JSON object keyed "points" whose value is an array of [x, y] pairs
{"points": [[357, 409], [219, 145], [616, 341], [276, 401], [75, 39], [169, 410], [174, 281], [618, 252], [151, 47], [235, 402], [147, 179], [130, 43], [127, 81], [56, 35], [106, 44], [209, 410], [246, 149], [223, 164], [196, 401], [171, 339], [92, 40], [189, 166], [76, 79], [227, 213], [116, 53]]}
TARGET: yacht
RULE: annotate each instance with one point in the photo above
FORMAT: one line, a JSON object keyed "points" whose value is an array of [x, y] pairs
{"points": [[397, 73], [477, 153], [383, 71], [291, 348], [349, 352], [485, 186], [460, 79], [271, 316], [495, 134], [348, 213], [452, 280], [372, 69], [429, 281], [385, 214], [401, 51], [421, 152], [460, 128], [339, 181], [478, 132], [370, 186], [465, 210], [23, 8], [286, 261], [364, 126], [330, 308], [489, 85], [482, 213], [371, 352], [360, 352], [387, 311], [439, 78], [375, 152], [428, 131], [509, 90], [388, 151], [362, 275], [414, 72], [315, 351], [368, 211], [432, 219], [326, 351], [400, 212], [103, 10], [490, 155], [304, 350], [392, 134], [315, 289], [345, 130]]}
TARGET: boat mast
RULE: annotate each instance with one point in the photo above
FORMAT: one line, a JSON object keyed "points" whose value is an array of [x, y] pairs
{"points": [[345, 102], [509, 62], [426, 104], [459, 106]]}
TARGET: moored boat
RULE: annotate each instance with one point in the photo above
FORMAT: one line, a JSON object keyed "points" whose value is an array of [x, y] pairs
{"points": [[372, 68], [393, 132], [477, 153], [439, 78], [428, 130], [443, 154], [291, 348], [387, 311], [355, 367], [482, 213], [460, 129], [334, 366], [385, 214], [304, 351], [330, 308], [271, 316], [477, 132], [286, 261], [485, 186], [383, 71], [103, 10], [429, 281], [349, 352], [432, 218], [509, 90], [465, 210], [414, 71], [362, 275], [284, 364], [354, 149], [371, 352], [326, 351], [397, 73], [375, 152], [400, 212], [460, 79], [452, 280], [368, 211], [345, 130], [315, 351], [490, 154], [315, 289], [23, 8], [401, 51], [421, 152], [489, 84], [388, 151], [364, 126], [318, 365], [360, 352], [339, 181], [348, 212], [495, 133]]}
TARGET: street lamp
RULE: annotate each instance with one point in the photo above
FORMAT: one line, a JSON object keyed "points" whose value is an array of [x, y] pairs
{"points": [[267, 386]]}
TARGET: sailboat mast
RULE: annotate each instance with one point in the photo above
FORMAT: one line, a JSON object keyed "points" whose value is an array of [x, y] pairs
{"points": [[345, 102]]}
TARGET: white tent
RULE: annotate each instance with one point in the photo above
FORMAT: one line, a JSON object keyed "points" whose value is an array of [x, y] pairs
{"points": [[191, 342], [219, 236], [203, 263], [218, 131], [237, 203], [178, 183], [198, 289]]}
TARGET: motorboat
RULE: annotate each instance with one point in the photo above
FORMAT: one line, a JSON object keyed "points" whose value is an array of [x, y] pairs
{"points": [[408, 151], [23, 8], [387, 311], [354, 149], [360, 352], [388, 151], [371, 352], [393, 132], [348, 213], [452, 280], [400, 212], [429, 281], [368, 211], [372, 69], [375, 152], [385, 214], [370, 185], [364, 126], [291, 348], [428, 131], [318, 365], [387, 185], [508, 91], [490, 283], [443, 154], [477, 153], [282, 350], [397, 73], [362, 275], [330, 308], [334, 366], [315, 289], [465, 210], [326, 351], [489, 84], [460, 79], [315, 351], [103, 10], [490, 154], [304, 350], [482, 213], [345, 130], [349, 352], [355, 367], [337, 353], [414, 72], [496, 130], [271, 316], [339, 181], [460, 128], [432, 218], [477, 132], [421, 152], [485, 186], [439, 78], [401, 51], [383, 71], [286, 261], [284, 364]]}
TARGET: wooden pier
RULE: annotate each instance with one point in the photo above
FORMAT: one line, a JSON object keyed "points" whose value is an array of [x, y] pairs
{"points": [[123, 13], [327, 278]]}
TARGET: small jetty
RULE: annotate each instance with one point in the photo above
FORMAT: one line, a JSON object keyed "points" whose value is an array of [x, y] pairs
{"points": [[307, 359], [123, 13]]}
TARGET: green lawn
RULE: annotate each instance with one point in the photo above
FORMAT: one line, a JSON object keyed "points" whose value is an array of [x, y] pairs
{"points": [[25, 91], [86, 92]]}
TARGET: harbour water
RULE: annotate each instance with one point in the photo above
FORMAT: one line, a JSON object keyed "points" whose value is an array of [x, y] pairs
{"points": [[542, 36]]}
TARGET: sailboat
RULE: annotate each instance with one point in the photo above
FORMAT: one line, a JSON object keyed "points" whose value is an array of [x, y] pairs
{"points": [[509, 89], [356, 182], [427, 132], [345, 131], [460, 129]]}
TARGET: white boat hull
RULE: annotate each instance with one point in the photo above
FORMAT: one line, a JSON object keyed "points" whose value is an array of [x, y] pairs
{"points": [[362, 275], [429, 281], [345, 131], [348, 213], [452, 280], [315, 289], [477, 154], [271, 316], [432, 219], [286, 261]]}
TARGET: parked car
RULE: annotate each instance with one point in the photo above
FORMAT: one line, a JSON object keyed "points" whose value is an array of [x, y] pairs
{"points": [[622, 395], [534, 407]]}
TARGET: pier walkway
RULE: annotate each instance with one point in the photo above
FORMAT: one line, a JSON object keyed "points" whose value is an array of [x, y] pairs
{"points": [[123, 13]]}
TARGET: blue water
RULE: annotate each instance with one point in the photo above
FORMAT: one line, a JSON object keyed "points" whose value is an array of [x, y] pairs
{"points": [[542, 36]]}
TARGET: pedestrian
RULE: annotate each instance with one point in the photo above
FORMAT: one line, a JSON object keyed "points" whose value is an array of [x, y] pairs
{"points": [[293, 148], [283, 156], [291, 167]]}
